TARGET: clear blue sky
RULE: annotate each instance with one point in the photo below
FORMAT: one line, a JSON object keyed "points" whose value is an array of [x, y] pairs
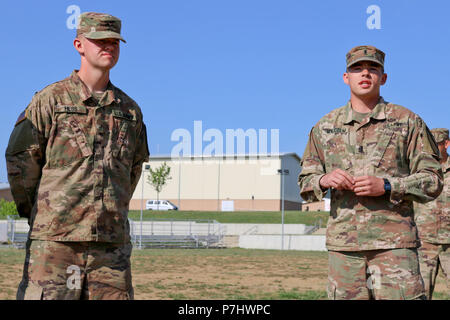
{"points": [[261, 64]]}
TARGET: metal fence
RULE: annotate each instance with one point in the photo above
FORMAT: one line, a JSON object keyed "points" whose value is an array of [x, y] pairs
{"points": [[317, 225], [154, 233], [177, 233], [17, 231]]}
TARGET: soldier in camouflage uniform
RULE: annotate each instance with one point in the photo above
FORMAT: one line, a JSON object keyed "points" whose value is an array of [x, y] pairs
{"points": [[376, 157], [433, 223], [74, 159]]}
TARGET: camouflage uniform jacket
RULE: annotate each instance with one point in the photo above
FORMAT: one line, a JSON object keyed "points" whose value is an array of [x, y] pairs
{"points": [[433, 218], [73, 162], [393, 143]]}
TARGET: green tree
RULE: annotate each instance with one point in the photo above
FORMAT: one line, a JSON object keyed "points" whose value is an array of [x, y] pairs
{"points": [[158, 178], [7, 208]]}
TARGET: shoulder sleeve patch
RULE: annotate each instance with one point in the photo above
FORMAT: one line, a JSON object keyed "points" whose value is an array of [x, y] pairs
{"points": [[20, 118]]}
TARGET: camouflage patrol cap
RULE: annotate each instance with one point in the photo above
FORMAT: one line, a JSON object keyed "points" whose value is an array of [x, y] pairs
{"points": [[93, 25], [440, 134], [365, 53]]}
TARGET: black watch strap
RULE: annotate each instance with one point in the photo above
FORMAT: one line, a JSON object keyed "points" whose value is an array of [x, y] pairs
{"points": [[387, 186]]}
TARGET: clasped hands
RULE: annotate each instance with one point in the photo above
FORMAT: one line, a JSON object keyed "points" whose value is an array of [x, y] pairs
{"points": [[369, 186]]}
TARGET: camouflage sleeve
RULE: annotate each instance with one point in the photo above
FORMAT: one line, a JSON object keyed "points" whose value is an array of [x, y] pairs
{"points": [[25, 157], [425, 181], [141, 155], [313, 170]]}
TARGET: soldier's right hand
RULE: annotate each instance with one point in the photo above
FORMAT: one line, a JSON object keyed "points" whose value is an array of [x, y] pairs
{"points": [[337, 179]]}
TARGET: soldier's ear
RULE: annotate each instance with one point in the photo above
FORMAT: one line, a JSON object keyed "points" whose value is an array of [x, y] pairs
{"points": [[78, 44], [345, 78], [383, 78]]}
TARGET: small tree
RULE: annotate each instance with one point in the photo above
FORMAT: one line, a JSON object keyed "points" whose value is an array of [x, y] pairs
{"points": [[158, 178], [7, 208]]}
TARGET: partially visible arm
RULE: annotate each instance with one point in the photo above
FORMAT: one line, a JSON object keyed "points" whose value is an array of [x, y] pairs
{"points": [[425, 181], [141, 155], [313, 169], [25, 157]]}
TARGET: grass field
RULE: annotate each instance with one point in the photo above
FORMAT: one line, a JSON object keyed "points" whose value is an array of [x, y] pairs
{"points": [[203, 274], [290, 217]]}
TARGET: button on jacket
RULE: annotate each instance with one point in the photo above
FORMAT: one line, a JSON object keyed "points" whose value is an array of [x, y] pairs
{"points": [[74, 161], [391, 142]]}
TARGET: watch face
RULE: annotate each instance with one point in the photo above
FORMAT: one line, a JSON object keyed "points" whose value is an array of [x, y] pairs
{"points": [[387, 185]]}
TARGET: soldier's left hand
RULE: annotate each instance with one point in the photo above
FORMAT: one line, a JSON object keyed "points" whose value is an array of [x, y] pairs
{"points": [[369, 186]]}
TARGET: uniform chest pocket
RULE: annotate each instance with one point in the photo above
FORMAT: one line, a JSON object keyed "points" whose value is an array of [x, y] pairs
{"points": [[69, 141], [336, 151], [124, 135], [388, 155]]}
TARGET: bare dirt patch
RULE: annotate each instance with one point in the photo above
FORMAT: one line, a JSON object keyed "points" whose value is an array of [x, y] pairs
{"points": [[239, 276], [212, 274]]}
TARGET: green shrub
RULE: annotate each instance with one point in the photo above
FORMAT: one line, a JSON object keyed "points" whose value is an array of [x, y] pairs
{"points": [[7, 208]]}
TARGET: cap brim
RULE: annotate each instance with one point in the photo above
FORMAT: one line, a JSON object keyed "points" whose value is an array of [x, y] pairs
{"points": [[365, 59], [103, 35], [441, 139]]}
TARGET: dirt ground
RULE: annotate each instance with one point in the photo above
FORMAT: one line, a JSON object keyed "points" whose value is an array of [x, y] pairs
{"points": [[230, 274], [210, 274]]}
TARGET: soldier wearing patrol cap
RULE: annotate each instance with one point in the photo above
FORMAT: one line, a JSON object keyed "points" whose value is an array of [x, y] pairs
{"points": [[433, 223], [376, 158], [74, 159]]}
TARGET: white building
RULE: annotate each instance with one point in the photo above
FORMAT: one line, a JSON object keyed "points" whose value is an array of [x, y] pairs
{"points": [[216, 183]]}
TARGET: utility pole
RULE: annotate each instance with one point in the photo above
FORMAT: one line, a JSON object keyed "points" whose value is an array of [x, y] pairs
{"points": [[146, 167], [282, 172], [179, 182]]}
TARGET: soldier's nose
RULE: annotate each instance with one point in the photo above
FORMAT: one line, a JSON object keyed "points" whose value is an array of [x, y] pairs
{"points": [[365, 73]]}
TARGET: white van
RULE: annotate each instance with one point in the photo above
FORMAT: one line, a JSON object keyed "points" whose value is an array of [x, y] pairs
{"points": [[160, 205]]}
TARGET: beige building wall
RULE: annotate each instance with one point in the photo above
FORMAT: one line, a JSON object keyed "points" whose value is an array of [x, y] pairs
{"points": [[314, 206], [201, 183], [215, 205]]}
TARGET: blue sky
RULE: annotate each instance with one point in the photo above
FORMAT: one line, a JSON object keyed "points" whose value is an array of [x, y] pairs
{"points": [[260, 64]]}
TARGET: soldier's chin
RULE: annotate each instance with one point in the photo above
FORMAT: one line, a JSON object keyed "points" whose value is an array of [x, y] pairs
{"points": [[365, 93], [107, 66]]}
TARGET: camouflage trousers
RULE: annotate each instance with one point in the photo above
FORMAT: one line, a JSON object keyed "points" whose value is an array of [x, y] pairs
{"points": [[431, 257], [76, 271], [391, 274]]}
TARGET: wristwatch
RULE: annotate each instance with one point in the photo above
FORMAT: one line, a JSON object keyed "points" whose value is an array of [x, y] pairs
{"points": [[387, 186]]}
